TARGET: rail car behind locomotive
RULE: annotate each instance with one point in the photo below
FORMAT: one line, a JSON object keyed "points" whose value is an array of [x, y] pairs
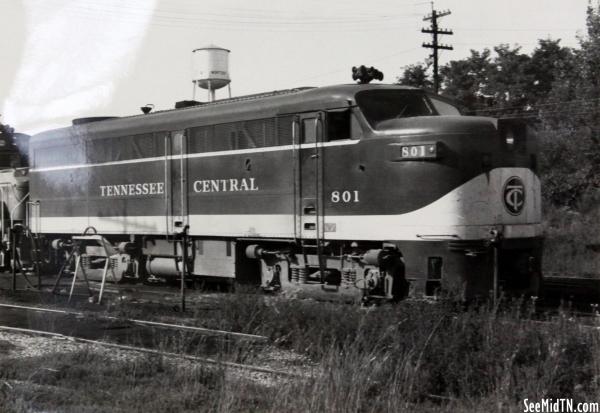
{"points": [[14, 183], [352, 190]]}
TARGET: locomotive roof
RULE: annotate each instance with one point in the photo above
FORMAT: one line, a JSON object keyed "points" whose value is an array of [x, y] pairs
{"points": [[241, 108]]}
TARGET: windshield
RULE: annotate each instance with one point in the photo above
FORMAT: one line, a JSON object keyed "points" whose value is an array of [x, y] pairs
{"points": [[379, 106]]}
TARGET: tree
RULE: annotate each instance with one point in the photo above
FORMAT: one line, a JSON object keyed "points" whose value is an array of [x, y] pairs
{"points": [[416, 75], [551, 66], [466, 80], [508, 78], [557, 88], [6, 132], [589, 57]]}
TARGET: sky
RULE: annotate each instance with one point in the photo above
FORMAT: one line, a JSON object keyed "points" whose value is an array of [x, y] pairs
{"points": [[65, 59]]}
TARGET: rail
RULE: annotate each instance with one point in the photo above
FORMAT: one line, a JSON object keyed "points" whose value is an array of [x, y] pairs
{"points": [[201, 330], [202, 360]]}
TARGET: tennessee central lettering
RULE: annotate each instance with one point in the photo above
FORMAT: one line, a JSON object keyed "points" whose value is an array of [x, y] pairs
{"points": [[146, 188], [225, 185]]}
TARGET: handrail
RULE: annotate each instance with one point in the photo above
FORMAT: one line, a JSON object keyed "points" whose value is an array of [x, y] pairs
{"points": [[182, 180], [296, 172], [2, 186], [167, 187], [318, 195]]}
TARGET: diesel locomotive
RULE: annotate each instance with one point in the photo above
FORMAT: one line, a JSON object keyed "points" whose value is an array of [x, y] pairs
{"points": [[359, 191]]}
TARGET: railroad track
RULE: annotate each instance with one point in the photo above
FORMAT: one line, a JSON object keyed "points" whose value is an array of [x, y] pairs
{"points": [[556, 288], [576, 286], [193, 329], [19, 319], [196, 359]]}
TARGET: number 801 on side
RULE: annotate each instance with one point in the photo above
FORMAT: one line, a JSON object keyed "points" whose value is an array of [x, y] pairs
{"points": [[346, 197]]}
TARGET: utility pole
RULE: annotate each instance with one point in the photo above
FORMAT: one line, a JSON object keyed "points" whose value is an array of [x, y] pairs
{"points": [[434, 30]]}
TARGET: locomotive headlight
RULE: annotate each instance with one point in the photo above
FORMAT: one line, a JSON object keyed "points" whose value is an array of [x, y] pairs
{"points": [[415, 151], [513, 133]]}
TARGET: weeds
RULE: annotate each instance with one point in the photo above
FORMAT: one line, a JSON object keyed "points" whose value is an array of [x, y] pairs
{"points": [[408, 357], [562, 255], [90, 382], [398, 357]]}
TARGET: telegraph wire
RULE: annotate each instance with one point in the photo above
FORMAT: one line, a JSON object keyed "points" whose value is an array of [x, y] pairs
{"points": [[175, 18], [542, 114], [533, 111], [484, 29], [243, 19], [381, 58], [257, 12], [533, 107], [232, 25], [489, 46]]}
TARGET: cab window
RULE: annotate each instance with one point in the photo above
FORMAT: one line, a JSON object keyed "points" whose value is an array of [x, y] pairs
{"points": [[338, 125], [382, 107]]}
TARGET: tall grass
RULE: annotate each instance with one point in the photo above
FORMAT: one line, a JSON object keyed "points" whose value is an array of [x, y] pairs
{"points": [[572, 242], [86, 381], [414, 356], [419, 354]]}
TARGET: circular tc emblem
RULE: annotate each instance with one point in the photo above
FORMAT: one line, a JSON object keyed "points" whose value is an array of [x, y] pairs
{"points": [[514, 195]]}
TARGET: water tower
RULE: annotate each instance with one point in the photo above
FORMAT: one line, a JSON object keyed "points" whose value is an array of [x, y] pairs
{"points": [[210, 66]]}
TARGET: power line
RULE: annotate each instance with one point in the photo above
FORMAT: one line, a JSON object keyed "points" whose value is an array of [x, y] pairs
{"points": [[232, 19], [533, 113], [381, 58], [534, 107], [180, 22], [318, 12], [559, 112], [525, 29]]}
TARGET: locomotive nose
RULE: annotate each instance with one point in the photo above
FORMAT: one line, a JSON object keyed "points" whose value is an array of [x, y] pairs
{"points": [[439, 125], [466, 170], [466, 144]]}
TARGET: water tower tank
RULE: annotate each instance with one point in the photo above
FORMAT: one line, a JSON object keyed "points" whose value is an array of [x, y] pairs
{"points": [[211, 67]]}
